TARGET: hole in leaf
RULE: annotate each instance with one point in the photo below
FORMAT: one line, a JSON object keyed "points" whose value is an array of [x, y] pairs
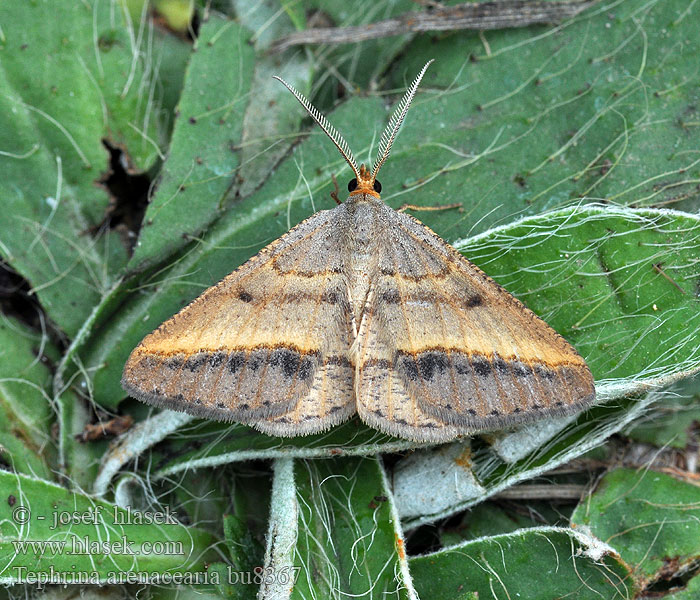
{"points": [[128, 196], [16, 299]]}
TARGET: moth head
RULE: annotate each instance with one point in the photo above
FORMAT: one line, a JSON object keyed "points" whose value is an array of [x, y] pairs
{"points": [[365, 181]]}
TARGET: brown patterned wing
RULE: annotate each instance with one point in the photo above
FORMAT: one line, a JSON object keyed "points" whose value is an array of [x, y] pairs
{"points": [[443, 350], [268, 346]]}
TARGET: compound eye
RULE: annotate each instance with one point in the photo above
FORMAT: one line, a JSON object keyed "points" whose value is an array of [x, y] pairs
{"points": [[352, 185], [377, 186]]}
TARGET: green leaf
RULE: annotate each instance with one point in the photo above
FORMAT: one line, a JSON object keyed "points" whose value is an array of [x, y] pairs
{"points": [[199, 169], [111, 541], [140, 437], [333, 525], [542, 562], [650, 518], [490, 519], [26, 414], [182, 592], [273, 115], [78, 461], [71, 75], [229, 443], [244, 558], [233, 443], [671, 422], [295, 13], [603, 106], [356, 66]]}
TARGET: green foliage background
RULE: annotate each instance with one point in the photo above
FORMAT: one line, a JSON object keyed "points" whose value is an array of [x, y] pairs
{"points": [[575, 153]]}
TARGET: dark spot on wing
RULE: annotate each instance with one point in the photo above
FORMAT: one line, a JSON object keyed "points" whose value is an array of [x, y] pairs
{"points": [[481, 366], [462, 366], [501, 365], [292, 363], [431, 362], [410, 368], [390, 296], [340, 361], [380, 363], [544, 372], [287, 360], [148, 362], [174, 363], [473, 301], [331, 297], [521, 370], [235, 362], [256, 360], [305, 369], [216, 359], [244, 296], [194, 363]]}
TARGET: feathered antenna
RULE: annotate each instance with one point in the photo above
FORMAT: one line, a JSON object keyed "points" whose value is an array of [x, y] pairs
{"points": [[392, 128], [323, 123]]}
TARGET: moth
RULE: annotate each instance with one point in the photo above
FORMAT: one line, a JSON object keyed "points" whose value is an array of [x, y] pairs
{"points": [[360, 309]]}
